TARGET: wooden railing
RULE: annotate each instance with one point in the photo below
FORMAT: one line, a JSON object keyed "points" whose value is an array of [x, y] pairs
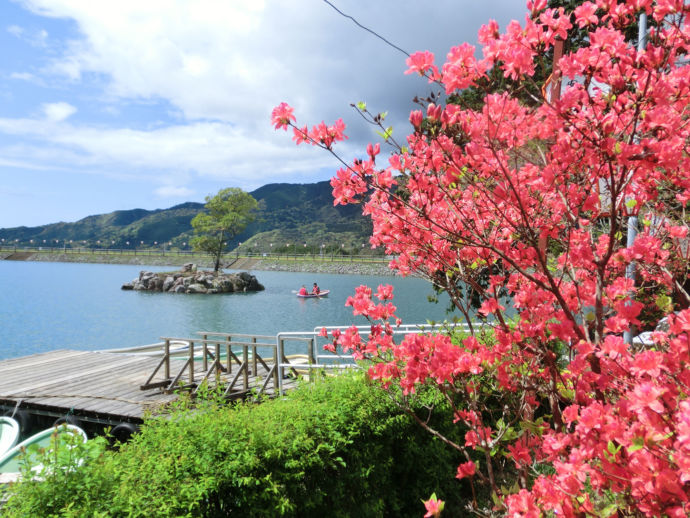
{"points": [[238, 363], [230, 361]]}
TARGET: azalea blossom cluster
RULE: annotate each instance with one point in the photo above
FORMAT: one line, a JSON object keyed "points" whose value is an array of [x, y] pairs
{"points": [[527, 207]]}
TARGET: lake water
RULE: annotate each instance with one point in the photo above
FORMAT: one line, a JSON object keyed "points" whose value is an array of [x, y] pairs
{"points": [[48, 306]]}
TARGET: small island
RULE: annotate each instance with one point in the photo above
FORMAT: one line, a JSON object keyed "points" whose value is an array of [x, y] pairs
{"points": [[191, 280]]}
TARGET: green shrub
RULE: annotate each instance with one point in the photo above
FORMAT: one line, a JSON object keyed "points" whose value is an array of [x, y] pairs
{"points": [[336, 447]]}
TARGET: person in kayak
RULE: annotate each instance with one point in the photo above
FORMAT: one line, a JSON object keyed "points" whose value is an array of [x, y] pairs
{"points": [[315, 290], [303, 290]]}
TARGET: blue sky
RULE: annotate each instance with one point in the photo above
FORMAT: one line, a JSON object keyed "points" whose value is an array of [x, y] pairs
{"points": [[147, 104]]}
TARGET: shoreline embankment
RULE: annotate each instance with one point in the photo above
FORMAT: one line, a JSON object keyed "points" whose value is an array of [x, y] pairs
{"points": [[345, 266]]}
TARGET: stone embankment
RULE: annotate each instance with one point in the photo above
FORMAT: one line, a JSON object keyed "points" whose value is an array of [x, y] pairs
{"points": [[346, 268], [190, 280]]}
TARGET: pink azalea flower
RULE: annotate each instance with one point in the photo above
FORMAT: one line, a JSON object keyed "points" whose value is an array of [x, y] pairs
{"points": [[420, 63], [433, 507], [585, 14], [466, 469], [282, 115]]}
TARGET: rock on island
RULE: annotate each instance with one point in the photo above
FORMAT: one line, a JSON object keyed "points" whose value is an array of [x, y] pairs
{"points": [[190, 280]]}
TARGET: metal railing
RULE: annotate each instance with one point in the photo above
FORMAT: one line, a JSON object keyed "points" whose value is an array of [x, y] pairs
{"points": [[234, 361], [320, 359]]}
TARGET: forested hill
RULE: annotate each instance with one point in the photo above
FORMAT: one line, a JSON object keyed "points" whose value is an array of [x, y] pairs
{"points": [[290, 213]]}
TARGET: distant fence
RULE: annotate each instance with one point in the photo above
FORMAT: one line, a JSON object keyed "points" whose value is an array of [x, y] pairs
{"points": [[86, 250], [152, 252]]}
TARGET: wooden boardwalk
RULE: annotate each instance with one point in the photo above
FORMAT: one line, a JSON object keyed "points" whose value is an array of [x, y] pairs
{"points": [[100, 387]]}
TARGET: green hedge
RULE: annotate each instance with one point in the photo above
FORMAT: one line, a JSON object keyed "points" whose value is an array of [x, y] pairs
{"points": [[337, 447]]}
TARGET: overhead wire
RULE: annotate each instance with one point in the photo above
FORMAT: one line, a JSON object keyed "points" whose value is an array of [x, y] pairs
{"points": [[367, 29]]}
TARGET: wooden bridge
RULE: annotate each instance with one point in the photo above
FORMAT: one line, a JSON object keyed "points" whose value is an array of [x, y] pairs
{"points": [[115, 386]]}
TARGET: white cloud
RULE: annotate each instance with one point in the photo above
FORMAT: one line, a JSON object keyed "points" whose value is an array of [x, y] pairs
{"points": [[171, 191], [211, 150], [56, 112], [37, 38], [22, 76], [234, 61], [15, 30], [218, 67]]}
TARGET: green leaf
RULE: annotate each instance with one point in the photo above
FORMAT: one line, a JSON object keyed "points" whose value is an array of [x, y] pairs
{"points": [[631, 203], [663, 302], [529, 426], [610, 510], [383, 115], [638, 444], [612, 448], [362, 106]]}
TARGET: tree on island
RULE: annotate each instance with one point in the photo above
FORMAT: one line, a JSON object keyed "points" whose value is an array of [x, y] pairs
{"points": [[226, 215], [527, 206]]}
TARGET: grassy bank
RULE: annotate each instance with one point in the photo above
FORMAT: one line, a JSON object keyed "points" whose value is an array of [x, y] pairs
{"points": [[351, 265], [337, 447]]}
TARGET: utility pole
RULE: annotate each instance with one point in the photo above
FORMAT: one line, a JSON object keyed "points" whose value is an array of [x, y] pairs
{"points": [[632, 220]]}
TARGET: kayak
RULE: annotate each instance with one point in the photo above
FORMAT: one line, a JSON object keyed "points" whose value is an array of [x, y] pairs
{"points": [[324, 293], [9, 434], [11, 461]]}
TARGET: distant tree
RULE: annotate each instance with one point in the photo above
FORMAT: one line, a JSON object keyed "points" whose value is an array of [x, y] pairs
{"points": [[226, 215]]}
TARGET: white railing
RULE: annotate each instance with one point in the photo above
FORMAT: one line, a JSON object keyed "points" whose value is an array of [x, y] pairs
{"points": [[320, 359]]}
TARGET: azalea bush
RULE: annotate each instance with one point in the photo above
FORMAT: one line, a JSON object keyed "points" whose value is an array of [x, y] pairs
{"points": [[335, 447], [523, 206]]}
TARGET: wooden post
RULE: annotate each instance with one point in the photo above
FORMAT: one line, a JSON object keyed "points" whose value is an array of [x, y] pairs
{"points": [[191, 362], [556, 72], [217, 362], [276, 383], [311, 352], [228, 359], [245, 362], [167, 358], [554, 95], [254, 371]]}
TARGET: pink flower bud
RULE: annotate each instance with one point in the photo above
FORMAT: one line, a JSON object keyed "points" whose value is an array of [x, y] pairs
{"points": [[416, 118], [372, 151]]}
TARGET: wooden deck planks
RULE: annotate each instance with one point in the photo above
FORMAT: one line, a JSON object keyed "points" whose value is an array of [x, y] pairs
{"points": [[95, 383], [20, 363], [28, 371], [85, 382], [63, 378]]}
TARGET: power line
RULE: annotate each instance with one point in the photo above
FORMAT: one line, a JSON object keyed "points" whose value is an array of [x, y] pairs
{"points": [[367, 29]]}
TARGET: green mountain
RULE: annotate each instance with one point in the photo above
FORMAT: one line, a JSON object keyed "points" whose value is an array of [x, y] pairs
{"points": [[290, 215]]}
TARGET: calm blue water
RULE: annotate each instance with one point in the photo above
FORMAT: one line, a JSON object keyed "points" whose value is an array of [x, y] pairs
{"points": [[47, 306]]}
